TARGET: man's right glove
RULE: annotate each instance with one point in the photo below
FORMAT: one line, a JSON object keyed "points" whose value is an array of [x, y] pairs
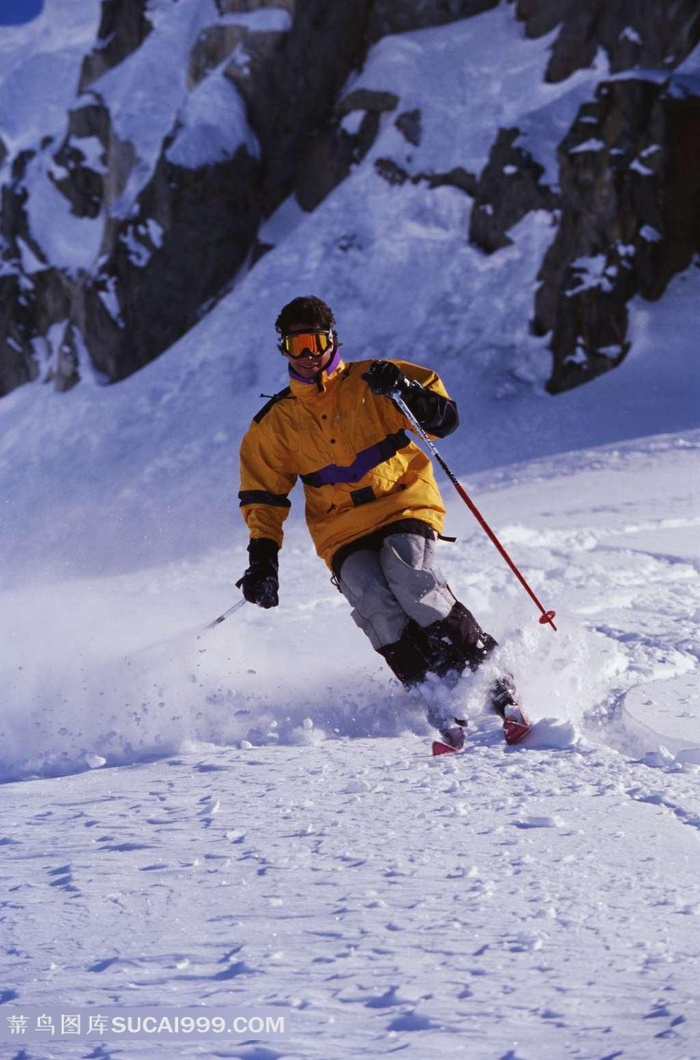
{"points": [[260, 583]]}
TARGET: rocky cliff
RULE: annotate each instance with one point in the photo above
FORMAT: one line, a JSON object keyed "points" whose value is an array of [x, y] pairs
{"points": [[163, 197]]}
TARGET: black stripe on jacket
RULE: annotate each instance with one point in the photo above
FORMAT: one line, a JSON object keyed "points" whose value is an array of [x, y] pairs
{"points": [[274, 500]]}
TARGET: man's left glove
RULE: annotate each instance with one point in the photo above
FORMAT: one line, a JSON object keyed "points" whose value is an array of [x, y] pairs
{"points": [[433, 411], [387, 379], [260, 583]]}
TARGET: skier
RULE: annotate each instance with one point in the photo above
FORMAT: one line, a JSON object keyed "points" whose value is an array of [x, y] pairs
{"points": [[373, 507]]}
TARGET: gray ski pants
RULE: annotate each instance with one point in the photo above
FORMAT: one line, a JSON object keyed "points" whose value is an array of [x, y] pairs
{"points": [[388, 587]]}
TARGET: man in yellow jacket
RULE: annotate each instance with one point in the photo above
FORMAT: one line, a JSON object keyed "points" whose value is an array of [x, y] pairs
{"points": [[373, 507]]}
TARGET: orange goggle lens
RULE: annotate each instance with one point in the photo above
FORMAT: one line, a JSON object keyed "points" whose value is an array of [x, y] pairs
{"points": [[316, 342]]}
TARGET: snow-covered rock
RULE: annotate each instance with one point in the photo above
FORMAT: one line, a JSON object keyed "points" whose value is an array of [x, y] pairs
{"points": [[198, 120]]}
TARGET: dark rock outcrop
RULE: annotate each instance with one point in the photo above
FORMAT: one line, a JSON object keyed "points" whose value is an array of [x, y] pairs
{"points": [[510, 186], [332, 150], [627, 195], [186, 236], [18, 359], [400, 16], [289, 98], [78, 172], [187, 233], [124, 26], [190, 235], [630, 191], [651, 34], [16, 366]]}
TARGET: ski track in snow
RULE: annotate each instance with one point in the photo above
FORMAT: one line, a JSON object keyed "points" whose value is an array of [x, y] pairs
{"points": [[504, 902]]}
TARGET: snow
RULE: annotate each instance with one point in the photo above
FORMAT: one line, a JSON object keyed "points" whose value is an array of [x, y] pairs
{"points": [[110, 300], [631, 34], [248, 816], [282, 222], [214, 125], [380, 901], [592, 271], [687, 78], [638, 166], [650, 234], [588, 145], [264, 20], [659, 711], [140, 240], [39, 70], [149, 92], [93, 151], [46, 350], [452, 63], [352, 122], [69, 241]]}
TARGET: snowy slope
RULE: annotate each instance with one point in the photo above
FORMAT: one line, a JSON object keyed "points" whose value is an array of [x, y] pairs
{"points": [[266, 828], [272, 834], [531, 904]]}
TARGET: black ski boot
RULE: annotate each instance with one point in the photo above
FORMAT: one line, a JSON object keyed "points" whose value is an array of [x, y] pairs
{"points": [[456, 642], [407, 657], [503, 695]]}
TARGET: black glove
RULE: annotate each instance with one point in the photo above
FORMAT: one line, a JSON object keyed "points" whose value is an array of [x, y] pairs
{"points": [[387, 379], [260, 583], [435, 413]]}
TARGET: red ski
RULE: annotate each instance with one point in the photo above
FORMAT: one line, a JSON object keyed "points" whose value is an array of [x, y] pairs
{"points": [[453, 738], [515, 725], [505, 703], [440, 748]]}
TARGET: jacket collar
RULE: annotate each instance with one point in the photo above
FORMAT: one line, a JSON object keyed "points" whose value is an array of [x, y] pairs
{"points": [[309, 388]]}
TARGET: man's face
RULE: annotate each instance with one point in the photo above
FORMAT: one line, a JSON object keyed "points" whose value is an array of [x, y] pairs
{"points": [[309, 364]]}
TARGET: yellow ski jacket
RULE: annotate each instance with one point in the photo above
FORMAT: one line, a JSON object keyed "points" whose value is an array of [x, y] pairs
{"points": [[349, 447]]}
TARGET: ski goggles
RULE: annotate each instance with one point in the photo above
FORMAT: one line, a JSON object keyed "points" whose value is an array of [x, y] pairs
{"points": [[313, 342]]}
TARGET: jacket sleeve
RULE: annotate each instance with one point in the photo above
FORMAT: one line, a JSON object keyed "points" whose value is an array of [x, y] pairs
{"points": [[429, 401], [264, 485]]}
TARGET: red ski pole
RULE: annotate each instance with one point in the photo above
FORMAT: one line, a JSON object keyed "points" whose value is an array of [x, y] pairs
{"points": [[546, 617]]}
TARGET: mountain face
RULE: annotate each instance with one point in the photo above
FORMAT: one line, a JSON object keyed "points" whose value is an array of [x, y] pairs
{"points": [[192, 121]]}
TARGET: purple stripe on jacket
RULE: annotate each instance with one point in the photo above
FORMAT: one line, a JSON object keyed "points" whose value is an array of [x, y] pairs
{"points": [[365, 460]]}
